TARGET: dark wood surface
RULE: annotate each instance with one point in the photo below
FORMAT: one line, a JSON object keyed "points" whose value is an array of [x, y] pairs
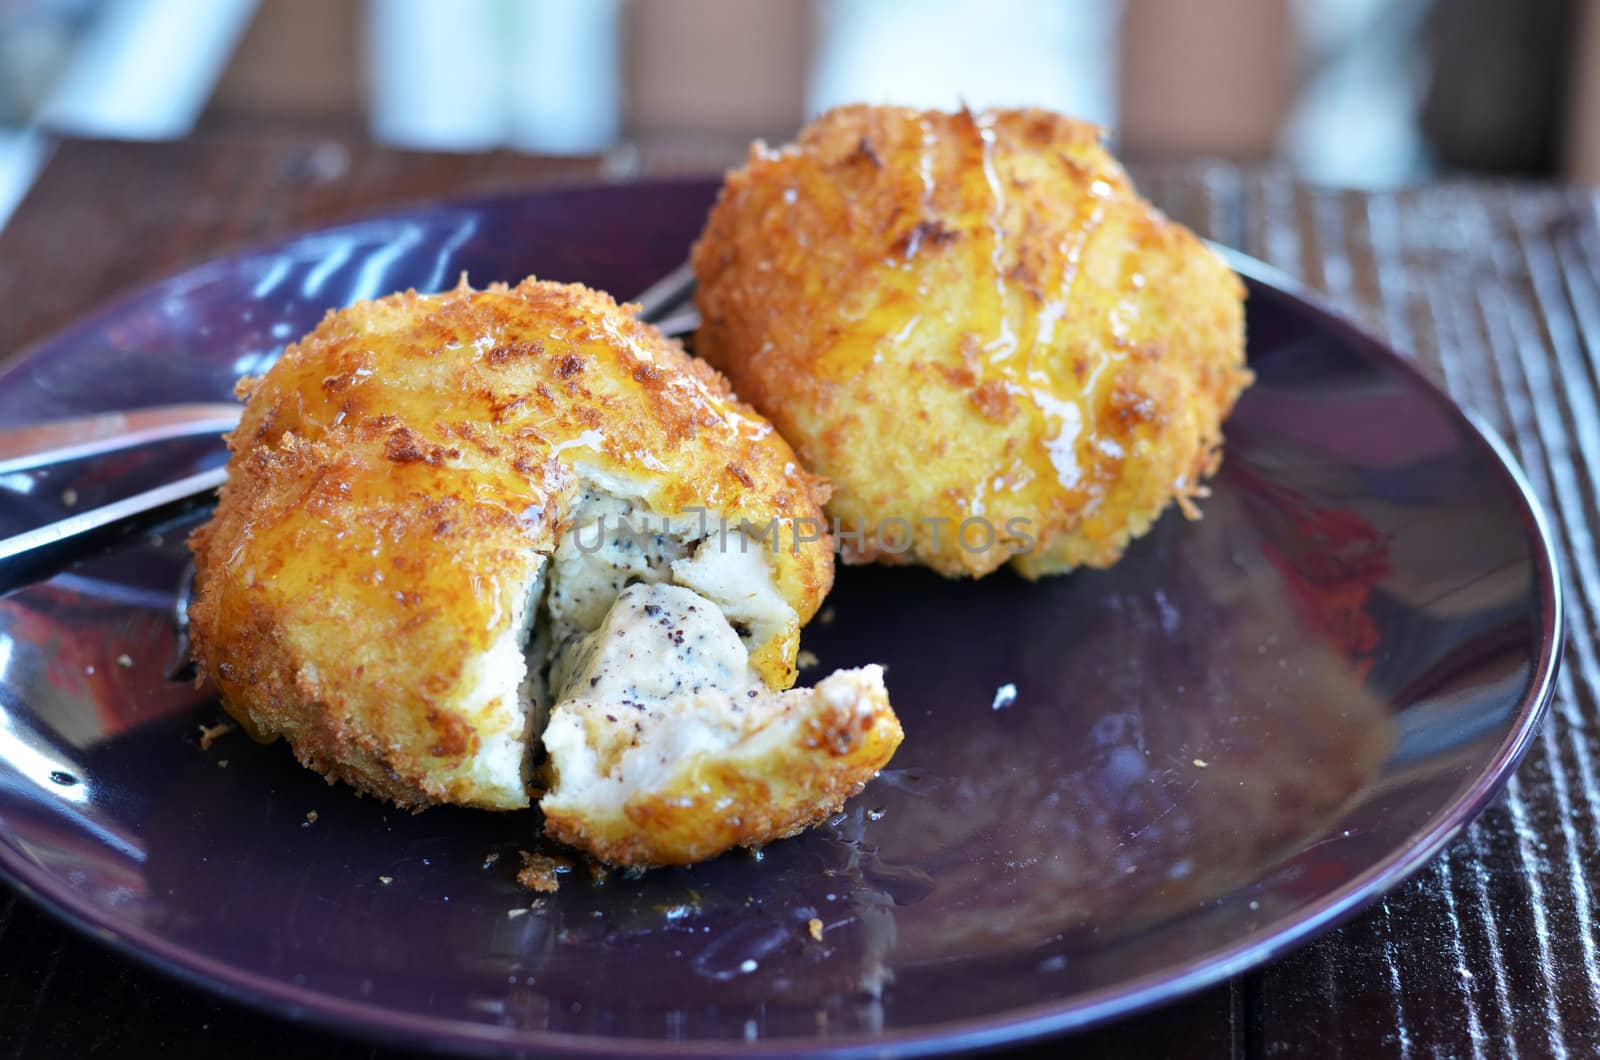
{"points": [[1490, 952]]}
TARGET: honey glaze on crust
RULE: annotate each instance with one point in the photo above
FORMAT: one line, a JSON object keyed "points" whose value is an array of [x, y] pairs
{"points": [[972, 317], [401, 484]]}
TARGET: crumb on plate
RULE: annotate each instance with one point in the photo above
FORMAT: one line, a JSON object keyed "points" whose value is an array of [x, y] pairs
{"points": [[541, 872], [209, 734]]}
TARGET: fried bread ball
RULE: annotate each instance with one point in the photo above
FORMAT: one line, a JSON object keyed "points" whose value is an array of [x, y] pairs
{"points": [[439, 511], [976, 330]]}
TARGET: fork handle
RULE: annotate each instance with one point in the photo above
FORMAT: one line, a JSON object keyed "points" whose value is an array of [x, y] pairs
{"points": [[36, 554], [39, 445]]}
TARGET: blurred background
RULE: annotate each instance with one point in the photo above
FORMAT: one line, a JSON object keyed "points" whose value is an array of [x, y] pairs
{"points": [[1350, 92]]}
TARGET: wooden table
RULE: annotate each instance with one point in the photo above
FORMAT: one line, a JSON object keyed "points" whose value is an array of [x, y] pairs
{"points": [[1490, 952]]}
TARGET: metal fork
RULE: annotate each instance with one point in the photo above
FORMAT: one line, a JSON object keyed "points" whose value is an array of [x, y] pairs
{"points": [[37, 554]]}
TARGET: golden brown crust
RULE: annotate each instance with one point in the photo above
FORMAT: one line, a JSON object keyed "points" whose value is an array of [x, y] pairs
{"points": [[972, 316], [394, 480]]}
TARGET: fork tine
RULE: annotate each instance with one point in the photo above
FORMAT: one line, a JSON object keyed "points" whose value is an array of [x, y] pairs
{"points": [[36, 554], [680, 323], [40, 445], [182, 667], [657, 300]]}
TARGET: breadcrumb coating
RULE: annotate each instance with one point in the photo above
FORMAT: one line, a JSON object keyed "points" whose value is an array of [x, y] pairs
{"points": [[976, 330], [399, 482]]}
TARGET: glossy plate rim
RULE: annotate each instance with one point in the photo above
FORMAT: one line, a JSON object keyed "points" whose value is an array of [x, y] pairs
{"points": [[1008, 1027]]}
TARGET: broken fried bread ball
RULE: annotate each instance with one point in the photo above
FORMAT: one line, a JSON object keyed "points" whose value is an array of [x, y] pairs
{"points": [[443, 515]]}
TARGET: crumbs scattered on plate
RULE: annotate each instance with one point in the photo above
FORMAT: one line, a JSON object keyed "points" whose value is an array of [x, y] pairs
{"points": [[814, 925], [806, 659]]}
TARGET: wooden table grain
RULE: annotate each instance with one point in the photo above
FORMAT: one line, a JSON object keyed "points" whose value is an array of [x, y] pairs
{"points": [[1494, 288]]}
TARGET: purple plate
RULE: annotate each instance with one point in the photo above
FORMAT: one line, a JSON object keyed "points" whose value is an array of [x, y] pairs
{"points": [[1246, 731]]}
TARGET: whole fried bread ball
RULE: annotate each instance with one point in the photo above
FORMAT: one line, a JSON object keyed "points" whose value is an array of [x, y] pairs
{"points": [[976, 330], [434, 506]]}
